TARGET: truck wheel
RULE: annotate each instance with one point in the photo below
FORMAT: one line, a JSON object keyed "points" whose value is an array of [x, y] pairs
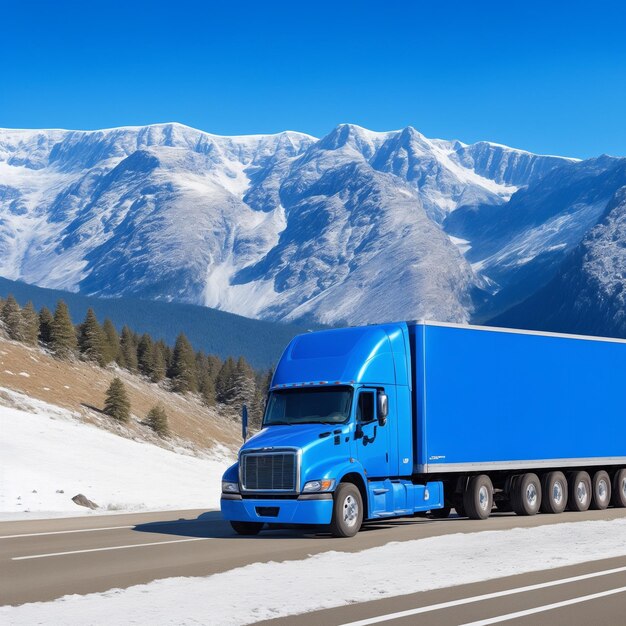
{"points": [[247, 528], [600, 491], [579, 491], [554, 492], [478, 497], [526, 498], [347, 511], [619, 489]]}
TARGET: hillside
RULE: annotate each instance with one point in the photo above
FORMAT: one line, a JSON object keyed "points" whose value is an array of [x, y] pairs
{"points": [[49, 456], [80, 387], [216, 332], [55, 442]]}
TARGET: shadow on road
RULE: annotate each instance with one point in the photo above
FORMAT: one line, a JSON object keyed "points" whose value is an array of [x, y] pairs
{"points": [[211, 525]]}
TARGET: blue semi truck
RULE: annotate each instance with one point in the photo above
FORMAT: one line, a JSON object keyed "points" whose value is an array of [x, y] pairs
{"points": [[395, 419]]}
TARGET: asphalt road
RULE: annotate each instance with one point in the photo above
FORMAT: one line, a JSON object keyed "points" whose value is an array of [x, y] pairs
{"points": [[46, 559]]}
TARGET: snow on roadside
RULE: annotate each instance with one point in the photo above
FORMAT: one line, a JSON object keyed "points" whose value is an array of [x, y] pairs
{"points": [[48, 456], [267, 590]]}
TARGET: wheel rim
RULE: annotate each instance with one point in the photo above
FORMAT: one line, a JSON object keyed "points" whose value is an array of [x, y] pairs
{"points": [[581, 492], [557, 492], [483, 498], [350, 510], [603, 489], [531, 494], [624, 487]]}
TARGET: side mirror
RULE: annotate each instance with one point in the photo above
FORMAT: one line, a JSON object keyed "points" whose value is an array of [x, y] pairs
{"points": [[244, 423], [383, 408]]}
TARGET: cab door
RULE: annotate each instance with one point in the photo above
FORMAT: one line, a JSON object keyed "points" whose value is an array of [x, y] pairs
{"points": [[371, 438]]}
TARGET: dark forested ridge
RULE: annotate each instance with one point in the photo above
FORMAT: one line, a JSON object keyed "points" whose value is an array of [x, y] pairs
{"points": [[212, 331]]}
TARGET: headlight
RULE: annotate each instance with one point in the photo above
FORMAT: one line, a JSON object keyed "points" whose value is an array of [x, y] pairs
{"points": [[314, 486], [228, 487]]}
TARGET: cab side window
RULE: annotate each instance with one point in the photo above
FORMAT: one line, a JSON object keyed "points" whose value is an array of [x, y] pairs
{"points": [[365, 408]]}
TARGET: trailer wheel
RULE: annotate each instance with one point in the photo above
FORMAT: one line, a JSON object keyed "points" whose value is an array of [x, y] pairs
{"points": [[347, 511], [554, 493], [600, 491], [579, 491], [526, 491], [619, 489], [247, 528], [478, 497]]}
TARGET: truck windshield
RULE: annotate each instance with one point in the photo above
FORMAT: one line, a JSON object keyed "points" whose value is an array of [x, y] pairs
{"points": [[330, 405]]}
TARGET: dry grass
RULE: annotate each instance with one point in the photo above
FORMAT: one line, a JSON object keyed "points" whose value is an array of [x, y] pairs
{"points": [[81, 386]]}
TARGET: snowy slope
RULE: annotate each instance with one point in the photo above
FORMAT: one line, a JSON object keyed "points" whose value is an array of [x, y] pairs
{"points": [[418, 565], [343, 228], [49, 456], [587, 294]]}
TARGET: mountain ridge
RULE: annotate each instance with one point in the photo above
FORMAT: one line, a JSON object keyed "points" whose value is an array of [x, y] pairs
{"points": [[358, 226]]}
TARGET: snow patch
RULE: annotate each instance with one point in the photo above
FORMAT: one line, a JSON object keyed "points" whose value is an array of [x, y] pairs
{"points": [[45, 448]]}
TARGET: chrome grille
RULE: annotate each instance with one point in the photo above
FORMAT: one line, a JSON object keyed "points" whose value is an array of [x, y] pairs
{"points": [[270, 471]]}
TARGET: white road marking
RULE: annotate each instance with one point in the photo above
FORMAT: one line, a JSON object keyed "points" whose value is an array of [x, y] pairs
{"points": [[546, 607], [486, 596], [135, 545], [66, 532]]}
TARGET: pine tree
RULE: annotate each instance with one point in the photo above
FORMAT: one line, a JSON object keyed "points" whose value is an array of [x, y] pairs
{"points": [[159, 364], [30, 324], [244, 386], [184, 375], [111, 341], [257, 409], [12, 319], [116, 403], [206, 387], [206, 382], [157, 420], [128, 350], [91, 339], [225, 381], [62, 332], [145, 355], [45, 325]]}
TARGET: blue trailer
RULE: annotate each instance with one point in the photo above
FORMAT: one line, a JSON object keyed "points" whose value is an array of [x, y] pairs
{"points": [[394, 419]]}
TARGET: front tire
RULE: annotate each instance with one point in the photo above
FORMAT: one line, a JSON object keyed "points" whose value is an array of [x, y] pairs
{"points": [[347, 511], [247, 529]]}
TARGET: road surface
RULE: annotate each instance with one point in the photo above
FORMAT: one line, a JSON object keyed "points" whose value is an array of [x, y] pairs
{"points": [[46, 559]]}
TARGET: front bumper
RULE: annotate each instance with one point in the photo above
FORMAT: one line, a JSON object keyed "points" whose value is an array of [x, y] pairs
{"points": [[307, 509]]}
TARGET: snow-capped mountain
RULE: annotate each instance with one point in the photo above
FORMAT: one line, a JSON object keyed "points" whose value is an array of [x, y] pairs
{"points": [[587, 294], [357, 226]]}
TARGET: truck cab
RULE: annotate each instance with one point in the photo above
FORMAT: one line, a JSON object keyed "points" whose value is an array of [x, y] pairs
{"points": [[337, 445]]}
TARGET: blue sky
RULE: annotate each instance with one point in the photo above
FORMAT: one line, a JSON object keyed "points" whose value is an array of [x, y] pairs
{"points": [[545, 76]]}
